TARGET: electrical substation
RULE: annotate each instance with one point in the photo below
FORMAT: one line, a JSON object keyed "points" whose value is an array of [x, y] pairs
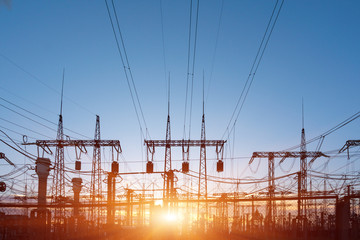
{"points": [[67, 185]]}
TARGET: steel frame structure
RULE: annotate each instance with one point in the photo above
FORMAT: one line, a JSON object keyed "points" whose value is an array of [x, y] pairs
{"points": [[271, 173]]}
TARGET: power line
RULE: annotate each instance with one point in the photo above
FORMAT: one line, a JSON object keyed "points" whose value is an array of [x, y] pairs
{"points": [[129, 69], [16, 140], [125, 67], [215, 48], [188, 67], [330, 131], [16, 132], [24, 152], [187, 71], [28, 118], [36, 115], [42, 118], [28, 101], [28, 129], [42, 82], [193, 65], [15, 143], [26, 155], [237, 181], [163, 38], [258, 63], [254, 67], [125, 71]]}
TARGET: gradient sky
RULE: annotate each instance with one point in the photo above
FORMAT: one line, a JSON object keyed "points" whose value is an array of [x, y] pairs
{"points": [[313, 54]]}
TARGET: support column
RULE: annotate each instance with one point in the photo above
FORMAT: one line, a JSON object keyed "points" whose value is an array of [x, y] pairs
{"points": [[271, 176], [42, 170], [110, 198], [77, 189], [129, 199], [343, 219], [299, 196]]}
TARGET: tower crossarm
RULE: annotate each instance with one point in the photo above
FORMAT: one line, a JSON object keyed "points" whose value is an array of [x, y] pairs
{"points": [[184, 143], [284, 155], [69, 143], [349, 144]]}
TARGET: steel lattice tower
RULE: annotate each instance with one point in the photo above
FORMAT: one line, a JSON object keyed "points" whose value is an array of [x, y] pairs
{"points": [[271, 178], [303, 155], [96, 188], [58, 187], [168, 193], [303, 172], [167, 165], [202, 188]]}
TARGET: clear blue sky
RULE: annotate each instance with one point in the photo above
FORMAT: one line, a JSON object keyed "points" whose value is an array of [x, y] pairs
{"points": [[313, 54]]}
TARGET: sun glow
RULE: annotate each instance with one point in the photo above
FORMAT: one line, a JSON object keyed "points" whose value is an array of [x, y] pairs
{"points": [[171, 217], [158, 202]]}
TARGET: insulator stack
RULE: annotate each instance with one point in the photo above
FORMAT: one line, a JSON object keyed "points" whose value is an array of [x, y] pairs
{"points": [[115, 167], [220, 166], [185, 167], [149, 167], [2, 187], [77, 165]]}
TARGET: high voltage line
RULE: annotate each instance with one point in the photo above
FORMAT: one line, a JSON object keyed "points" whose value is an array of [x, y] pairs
{"points": [[42, 82], [254, 67], [127, 69], [36, 115]]}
